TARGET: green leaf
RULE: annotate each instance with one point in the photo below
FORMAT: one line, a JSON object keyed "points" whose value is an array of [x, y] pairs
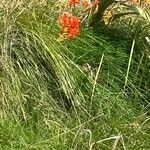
{"points": [[143, 13]]}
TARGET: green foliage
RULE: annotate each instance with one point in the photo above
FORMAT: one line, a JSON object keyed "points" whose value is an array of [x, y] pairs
{"points": [[41, 73], [108, 5], [71, 94]]}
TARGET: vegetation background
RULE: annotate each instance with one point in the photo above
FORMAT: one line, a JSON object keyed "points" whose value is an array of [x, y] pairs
{"points": [[92, 92]]}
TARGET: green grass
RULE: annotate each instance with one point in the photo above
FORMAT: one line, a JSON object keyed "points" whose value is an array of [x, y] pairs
{"points": [[69, 95]]}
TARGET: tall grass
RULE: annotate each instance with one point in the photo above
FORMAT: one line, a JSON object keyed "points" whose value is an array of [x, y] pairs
{"points": [[69, 94], [40, 70]]}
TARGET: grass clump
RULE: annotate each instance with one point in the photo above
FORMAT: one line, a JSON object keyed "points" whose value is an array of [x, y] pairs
{"points": [[69, 94]]}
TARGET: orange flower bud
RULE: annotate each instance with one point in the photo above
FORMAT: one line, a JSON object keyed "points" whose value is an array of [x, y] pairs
{"points": [[86, 3], [73, 2]]}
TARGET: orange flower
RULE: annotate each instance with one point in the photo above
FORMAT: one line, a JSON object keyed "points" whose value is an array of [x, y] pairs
{"points": [[69, 24], [73, 32], [86, 3], [75, 22], [91, 5], [65, 19], [73, 2], [95, 3]]}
